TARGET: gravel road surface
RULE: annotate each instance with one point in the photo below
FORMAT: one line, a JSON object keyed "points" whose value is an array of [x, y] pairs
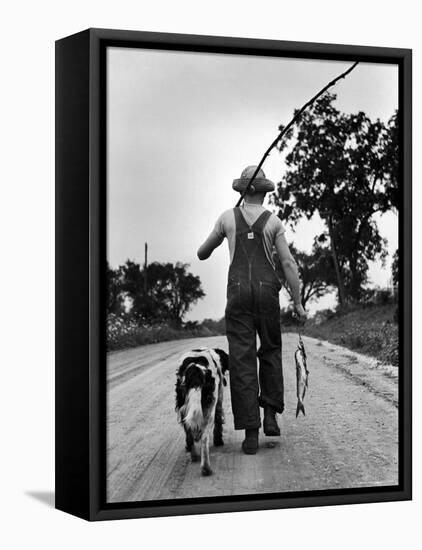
{"points": [[348, 438]]}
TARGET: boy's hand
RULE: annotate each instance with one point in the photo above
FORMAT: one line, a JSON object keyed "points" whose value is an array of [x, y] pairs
{"points": [[301, 313]]}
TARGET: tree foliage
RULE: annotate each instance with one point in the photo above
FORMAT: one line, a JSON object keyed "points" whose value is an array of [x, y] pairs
{"points": [[391, 162], [162, 292], [395, 268], [316, 272], [115, 297], [344, 168]]}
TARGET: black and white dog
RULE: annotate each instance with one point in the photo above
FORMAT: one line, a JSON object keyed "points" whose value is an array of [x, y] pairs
{"points": [[200, 379]]}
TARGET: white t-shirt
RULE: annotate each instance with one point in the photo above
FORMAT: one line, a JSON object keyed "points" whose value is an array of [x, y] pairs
{"points": [[226, 227]]}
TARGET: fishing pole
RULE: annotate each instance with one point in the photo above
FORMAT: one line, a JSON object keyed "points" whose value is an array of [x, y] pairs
{"points": [[289, 125], [299, 324]]}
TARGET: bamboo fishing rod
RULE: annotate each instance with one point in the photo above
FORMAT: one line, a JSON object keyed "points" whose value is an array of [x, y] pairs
{"points": [[289, 125]]}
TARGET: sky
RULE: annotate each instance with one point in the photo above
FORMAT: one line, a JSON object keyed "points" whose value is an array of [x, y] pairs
{"points": [[181, 126]]}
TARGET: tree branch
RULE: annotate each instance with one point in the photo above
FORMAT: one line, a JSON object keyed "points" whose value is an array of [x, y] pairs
{"points": [[289, 125]]}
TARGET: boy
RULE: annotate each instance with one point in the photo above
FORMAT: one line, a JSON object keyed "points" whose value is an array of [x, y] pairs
{"points": [[253, 306]]}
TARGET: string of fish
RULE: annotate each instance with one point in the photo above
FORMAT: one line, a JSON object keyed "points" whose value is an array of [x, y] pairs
{"points": [[302, 374]]}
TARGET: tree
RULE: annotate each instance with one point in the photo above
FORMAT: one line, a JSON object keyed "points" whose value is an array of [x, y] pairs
{"points": [[115, 296], [316, 272], [391, 163], [170, 291], [182, 290], [360, 241], [395, 268], [336, 167]]}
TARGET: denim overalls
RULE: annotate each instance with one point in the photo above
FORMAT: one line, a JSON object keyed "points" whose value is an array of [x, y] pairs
{"points": [[253, 308]]}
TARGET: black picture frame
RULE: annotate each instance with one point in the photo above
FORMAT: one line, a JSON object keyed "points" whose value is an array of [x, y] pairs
{"points": [[80, 272]]}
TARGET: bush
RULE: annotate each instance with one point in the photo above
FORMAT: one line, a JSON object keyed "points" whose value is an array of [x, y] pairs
{"points": [[324, 315], [369, 330], [379, 297], [217, 327], [287, 317], [125, 331], [396, 315], [120, 328], [191, 325]]}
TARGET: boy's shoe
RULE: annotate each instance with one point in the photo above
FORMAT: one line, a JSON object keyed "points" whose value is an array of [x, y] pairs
{"points": [[250, 443], [270, 422]]}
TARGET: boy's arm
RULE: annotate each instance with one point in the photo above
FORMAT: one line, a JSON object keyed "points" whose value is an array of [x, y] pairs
{"points": [[291, 273], [207, 248]]}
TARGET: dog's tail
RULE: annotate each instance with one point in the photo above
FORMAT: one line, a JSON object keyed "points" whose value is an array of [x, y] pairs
{"points": [[193, 415]]}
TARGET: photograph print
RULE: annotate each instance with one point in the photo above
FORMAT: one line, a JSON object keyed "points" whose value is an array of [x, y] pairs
{"points": [[252, 275]]}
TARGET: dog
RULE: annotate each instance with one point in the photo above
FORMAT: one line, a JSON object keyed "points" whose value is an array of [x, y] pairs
{"points": [[200, 379]]}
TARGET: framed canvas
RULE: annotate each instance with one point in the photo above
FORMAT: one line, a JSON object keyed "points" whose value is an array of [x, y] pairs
{"points": [[181, 389]]}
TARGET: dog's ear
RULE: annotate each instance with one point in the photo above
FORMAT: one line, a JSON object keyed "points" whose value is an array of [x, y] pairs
{"points": [[224, 359], [180, 393]]}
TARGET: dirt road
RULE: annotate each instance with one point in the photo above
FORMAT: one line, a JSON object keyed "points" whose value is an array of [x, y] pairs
{"points": [[349, 437]]}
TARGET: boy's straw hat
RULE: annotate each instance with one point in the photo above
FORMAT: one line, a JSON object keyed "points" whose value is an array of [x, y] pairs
{"points": [[259, 185]]}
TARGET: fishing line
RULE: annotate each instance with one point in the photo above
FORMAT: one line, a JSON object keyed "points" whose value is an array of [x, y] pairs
{"points": [[289, 125]]}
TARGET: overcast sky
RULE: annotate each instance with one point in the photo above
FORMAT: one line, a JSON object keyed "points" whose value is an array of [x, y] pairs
{"points": [[182, 126]]}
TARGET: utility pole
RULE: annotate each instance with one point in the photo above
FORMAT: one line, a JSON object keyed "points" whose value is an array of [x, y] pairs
{"points": [[145, 269]]}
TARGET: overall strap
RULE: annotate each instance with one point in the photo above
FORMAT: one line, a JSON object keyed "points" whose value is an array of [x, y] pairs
{"points": [[241, 225], [261, 222]]}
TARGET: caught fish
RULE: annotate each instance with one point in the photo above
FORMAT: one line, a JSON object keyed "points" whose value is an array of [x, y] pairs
{"points": [[302, 374]]}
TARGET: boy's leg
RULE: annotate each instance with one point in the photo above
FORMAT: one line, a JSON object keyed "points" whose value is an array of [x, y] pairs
{"points": [[244, 389], [270, 362]]}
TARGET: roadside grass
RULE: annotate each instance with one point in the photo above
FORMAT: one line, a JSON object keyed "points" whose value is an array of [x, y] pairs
{"points": [[370, 330], [124, 332]]}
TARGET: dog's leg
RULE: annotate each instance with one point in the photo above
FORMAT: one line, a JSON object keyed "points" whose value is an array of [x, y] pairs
{"points": [[189, 439], [219, 419], [205, 442], [205, 454], [191, 447], [195, 452]]}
